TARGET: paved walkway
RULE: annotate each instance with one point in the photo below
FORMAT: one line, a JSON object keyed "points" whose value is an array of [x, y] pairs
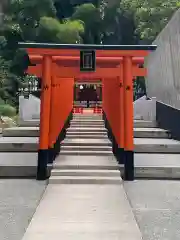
{"points": [[90, 212], [84, 211]]}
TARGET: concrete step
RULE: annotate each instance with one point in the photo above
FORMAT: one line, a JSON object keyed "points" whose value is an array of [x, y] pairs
{"points": [[156, 166], [87, 142], [98, 121], [87, 115], [29, 123], [86, 136], [82, 148], [88, 118], [34, 132], [85, 180], [151, 166], [154, 145], [137, 123], [19, 144], [138, 133], [83, 132], [86, 162], [78, 130], [90, 125], [80, 172], [144, 124], [150, 133], [84, 121], [85, 152], [21, 132]]}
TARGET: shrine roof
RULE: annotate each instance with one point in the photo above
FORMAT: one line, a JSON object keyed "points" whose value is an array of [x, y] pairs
{"points": [[86, 46]]}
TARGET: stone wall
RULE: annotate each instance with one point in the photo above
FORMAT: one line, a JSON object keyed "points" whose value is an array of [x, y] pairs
{"points": [[145, 109], [29, 108], [163, 81]]}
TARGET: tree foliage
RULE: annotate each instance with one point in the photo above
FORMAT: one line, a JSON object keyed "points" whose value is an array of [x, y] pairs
{"points": [[90, 15], [51, 30], [150, 16], [74, 21]]}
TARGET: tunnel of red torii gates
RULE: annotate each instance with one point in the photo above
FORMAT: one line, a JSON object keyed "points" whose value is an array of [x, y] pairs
{"points": [[61, 65]]}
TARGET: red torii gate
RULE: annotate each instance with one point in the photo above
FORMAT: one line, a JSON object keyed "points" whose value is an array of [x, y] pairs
{"points": [[117, 79]]}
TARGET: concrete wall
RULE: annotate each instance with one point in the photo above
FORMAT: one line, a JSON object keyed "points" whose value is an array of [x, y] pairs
{"points": [[145, 109], [29, 108], [163, 81]]}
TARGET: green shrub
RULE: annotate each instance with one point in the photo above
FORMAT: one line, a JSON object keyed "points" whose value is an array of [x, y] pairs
{"points": [[7, 110]]}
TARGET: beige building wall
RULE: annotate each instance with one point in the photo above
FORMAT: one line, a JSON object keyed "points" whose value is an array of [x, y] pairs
{"points": [[163, 81]]}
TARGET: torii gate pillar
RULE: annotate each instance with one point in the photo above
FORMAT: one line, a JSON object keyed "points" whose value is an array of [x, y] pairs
{"points": [[128, 118], [43, 153]]}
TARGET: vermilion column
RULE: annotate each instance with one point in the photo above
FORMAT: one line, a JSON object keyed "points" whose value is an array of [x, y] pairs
{"points": [[44, 119], [128, 118], [121, 119], [52, 124]]}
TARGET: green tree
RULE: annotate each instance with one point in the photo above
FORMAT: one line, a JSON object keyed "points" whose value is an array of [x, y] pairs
{"points": [[90, 15], [118, 25], [150, 16], [24, 15], [65, 8], [51, 30]]}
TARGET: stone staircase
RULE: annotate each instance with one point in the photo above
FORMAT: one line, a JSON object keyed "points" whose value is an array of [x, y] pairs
{"points": [[87, 147], [86, 153], [80, 138]]}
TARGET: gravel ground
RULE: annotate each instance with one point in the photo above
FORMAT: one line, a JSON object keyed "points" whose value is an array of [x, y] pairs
{"points": [[156, 205], [18, 202]]}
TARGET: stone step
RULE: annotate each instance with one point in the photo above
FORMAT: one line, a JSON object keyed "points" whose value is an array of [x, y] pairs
{"points": [[78, 130], [90, 125], [86, 162], [87, 121], [144, 124], [21, 132], [85, 131], [150, 133], [19, 144], [137, 123], [151, 166], [86, 136], [138, 133], [87, 115], [82, 148], [98, 121], [80, 172], [88, 118], [29, 123], [85, 152], [141, 145], [152, 172], [34, 132], [156, 166], [87, 142], [154, 145], [85, 180], [94, 115]]}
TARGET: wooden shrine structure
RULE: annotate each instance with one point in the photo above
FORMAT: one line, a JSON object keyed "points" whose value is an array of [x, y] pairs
{"points": [[59, 66]]}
